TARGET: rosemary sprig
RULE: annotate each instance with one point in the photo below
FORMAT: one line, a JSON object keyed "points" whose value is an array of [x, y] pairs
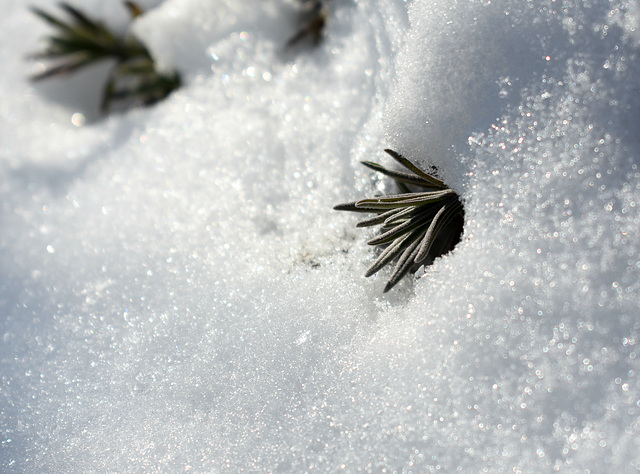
{"points": [[80, 41], [314, 19], [417, 226]]}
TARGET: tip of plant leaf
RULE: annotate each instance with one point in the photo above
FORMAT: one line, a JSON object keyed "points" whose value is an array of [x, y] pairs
{"points": [[345, 206]]}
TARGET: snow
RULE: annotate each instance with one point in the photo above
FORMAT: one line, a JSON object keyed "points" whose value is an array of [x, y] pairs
{"points": [[176, 292]]}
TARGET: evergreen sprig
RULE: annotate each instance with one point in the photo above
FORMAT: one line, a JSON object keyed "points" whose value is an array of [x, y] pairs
{"points": [[314, 20], [79, 41], [418, 225]]}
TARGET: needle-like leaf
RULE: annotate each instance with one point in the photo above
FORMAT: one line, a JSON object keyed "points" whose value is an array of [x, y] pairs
{"points": [[410, 166], [399, 176], [314, 18], [404, 200], [389, 253], [81, 19], [379, 219], [80, 41], [404, 264], [418, 220], [134, 9], [417, 226]]}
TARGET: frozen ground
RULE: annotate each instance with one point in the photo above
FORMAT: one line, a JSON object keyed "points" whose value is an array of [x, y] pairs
{"points": [[176, 292]]}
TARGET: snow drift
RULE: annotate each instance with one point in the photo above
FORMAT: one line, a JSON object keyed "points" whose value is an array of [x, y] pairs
{"points": [[176, 292]]}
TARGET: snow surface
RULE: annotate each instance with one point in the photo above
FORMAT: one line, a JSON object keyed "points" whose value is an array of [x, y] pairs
{"points": [[176, 292]]}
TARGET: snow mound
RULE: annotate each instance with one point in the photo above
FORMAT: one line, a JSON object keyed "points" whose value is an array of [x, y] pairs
{"points": [[176, 292]]}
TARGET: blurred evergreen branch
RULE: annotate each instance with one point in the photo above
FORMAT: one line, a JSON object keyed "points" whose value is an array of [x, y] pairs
{"points": [[80, 41], [417, 226], [314, 19]]}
